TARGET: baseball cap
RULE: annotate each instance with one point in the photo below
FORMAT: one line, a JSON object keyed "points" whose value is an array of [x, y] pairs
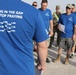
{"points": [[69, 6]]}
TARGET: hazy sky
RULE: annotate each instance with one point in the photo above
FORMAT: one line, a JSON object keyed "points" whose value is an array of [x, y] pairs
{"points": [[52, 3]]}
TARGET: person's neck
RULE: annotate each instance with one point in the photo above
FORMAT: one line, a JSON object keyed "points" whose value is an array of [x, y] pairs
{"points": [[74, 11], [57, 12], [43, 9], [68, 13]]}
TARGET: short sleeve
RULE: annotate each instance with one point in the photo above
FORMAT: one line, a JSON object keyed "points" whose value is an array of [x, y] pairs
{"points": [[50, 15], [74, 19], [40, 31]]}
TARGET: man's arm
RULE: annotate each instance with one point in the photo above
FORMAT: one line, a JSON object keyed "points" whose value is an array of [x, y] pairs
{"points": [[40, 36], [74, 36], [42, 54], [51, 28]]}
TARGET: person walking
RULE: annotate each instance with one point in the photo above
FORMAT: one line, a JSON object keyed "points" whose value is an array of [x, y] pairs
{"points": [[74, 46]]}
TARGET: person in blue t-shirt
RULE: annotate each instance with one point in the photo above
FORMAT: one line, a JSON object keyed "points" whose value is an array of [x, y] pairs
{"points": [[35, 4], [67, 27], [47, 18], [19, 23], [73, 8], [74, 47]]}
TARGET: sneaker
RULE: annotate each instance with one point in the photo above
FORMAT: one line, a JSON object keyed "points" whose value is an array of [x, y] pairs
{"points": [[75, 53], [72, 56], [47, 60]]}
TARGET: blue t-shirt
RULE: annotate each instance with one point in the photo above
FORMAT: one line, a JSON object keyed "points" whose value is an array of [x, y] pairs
{"points": [[74, 13], [47, 16], [68, 21], [19, 23]]}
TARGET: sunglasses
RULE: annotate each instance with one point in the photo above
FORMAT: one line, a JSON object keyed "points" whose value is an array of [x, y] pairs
{"points": [[34, 5]]}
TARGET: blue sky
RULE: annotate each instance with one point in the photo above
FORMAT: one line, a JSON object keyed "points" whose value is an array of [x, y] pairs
{"points": [[52, 3]]}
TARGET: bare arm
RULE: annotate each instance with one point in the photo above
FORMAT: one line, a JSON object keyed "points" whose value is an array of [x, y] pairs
{"points": [[74, 36], [42, 54], [51, 27]]}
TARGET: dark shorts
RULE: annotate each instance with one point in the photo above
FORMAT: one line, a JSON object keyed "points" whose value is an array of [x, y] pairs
{"points": [[66, 43]]}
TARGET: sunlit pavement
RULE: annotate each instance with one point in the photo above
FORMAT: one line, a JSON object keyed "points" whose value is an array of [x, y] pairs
{"points": [[58, 68]]}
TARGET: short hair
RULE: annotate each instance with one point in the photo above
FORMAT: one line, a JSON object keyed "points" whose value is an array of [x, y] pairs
{"points": [[73, 5], [33, 3], [44, 1], [57, 6]]}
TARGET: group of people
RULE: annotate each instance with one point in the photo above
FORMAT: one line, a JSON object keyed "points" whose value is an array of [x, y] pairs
{"points": [[21, 23], [64, 24]]}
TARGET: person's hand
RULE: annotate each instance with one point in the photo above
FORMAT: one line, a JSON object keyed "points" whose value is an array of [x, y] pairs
{"points": [[58, 27], [51, 33], [41, 67], [74, 37]]}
